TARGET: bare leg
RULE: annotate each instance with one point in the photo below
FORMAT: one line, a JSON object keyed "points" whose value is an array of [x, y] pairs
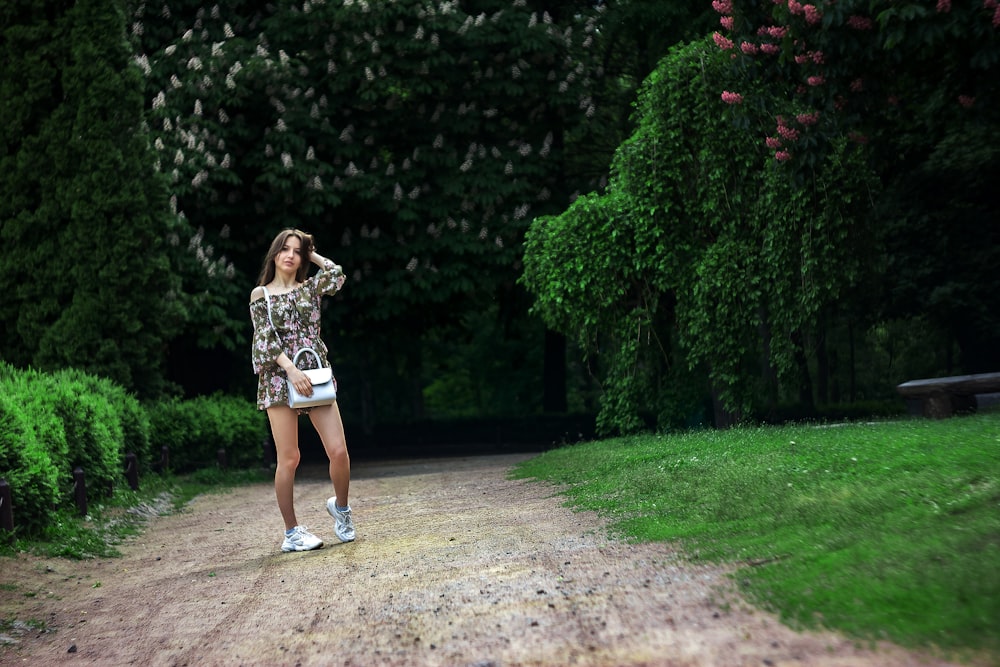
{"points": [[327, 422], [285, 429]]}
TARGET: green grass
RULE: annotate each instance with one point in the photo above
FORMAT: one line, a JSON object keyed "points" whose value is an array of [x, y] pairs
{"points": [[111, 520], [887, 530]]}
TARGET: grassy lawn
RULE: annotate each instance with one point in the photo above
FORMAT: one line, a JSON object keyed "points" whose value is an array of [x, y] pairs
{"points": [[886, 530]]}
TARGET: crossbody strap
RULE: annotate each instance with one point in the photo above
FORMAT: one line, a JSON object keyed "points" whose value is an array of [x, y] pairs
{"points": [[267, 297]]}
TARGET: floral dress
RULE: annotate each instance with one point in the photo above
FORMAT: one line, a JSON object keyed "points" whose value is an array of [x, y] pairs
{"points": [[296, 316]]}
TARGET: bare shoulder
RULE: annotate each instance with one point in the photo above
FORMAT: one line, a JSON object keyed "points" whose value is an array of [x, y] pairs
{"points": [[257, 294]]}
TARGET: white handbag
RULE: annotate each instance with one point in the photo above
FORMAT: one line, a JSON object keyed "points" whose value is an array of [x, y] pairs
{"points": [[324, 385]]}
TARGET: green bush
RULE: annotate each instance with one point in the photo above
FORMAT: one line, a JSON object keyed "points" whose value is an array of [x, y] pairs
{"points": [[127, 410], [26, 465], [52, 423], [195, 430], [78, 419], [94, 436]]}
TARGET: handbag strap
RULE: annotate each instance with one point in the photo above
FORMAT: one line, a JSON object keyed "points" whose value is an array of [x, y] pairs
{"points": [[319, 364], [267, 297]]}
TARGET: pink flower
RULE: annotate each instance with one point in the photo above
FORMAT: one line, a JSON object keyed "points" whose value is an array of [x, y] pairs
{"points": [[860, 22], [748, 48], [996, 17], [787, 133], [801, 58], [727, 22], [770, 49], [794, 7], [817, 57], [814, 16], [808, 118], [943, 6], [966, 101], [731, 98], [777, 32], [990, 4], [723, 6], [773, 142], [782, 156], [816, 80], [722, 42]]}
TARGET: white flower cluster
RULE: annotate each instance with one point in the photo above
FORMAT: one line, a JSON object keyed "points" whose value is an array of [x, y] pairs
{"points": [[191, 160]]}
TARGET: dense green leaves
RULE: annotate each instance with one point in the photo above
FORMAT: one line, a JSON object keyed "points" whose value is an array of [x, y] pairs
{"points": [[430, 131], [415, 139], [88, 278], [695, 217], [419, 140], [916, 84]]}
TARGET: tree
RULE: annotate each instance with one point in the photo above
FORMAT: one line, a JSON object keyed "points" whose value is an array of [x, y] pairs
{"points": [[699, 241], [916, 83], [83, 212], [416, 140]]}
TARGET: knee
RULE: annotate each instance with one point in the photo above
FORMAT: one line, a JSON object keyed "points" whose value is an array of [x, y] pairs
{"points": [[337, 450], [289, 459]]}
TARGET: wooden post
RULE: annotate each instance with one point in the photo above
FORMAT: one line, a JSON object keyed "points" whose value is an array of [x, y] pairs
{"points": [[132, 471], [164, 459], [221, 457], [80, 490], [6, 510]]}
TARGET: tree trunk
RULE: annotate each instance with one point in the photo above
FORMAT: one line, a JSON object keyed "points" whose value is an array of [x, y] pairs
{"points": [[554, 373], [769, 373], [802, 363], [822, 363], [852, 388], [722, 418]]}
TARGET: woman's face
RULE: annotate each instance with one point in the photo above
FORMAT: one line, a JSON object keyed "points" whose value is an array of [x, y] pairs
{"points": [[289, 258]]}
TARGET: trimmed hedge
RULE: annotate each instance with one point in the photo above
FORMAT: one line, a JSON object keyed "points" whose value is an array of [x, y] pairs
{"points": [[52, 423], [27, 466], [196, 429], [128, 411]]}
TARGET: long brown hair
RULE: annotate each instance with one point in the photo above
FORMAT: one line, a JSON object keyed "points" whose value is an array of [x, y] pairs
{"points": [[267, 270]]}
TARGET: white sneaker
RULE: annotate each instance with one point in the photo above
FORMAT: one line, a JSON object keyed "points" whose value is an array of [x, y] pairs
{"points": [[343, 524], [301, 540]]}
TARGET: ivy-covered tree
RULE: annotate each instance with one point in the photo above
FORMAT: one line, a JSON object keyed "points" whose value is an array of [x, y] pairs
{"points": [[700, 242], [916, 84], [85, 270], [879, 72]]}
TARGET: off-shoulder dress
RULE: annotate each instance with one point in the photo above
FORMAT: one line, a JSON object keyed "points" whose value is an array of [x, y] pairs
{"points": [[296, 317]]}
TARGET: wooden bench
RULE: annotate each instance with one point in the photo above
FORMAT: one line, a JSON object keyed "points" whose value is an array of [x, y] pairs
{"points": [[942, 397]]}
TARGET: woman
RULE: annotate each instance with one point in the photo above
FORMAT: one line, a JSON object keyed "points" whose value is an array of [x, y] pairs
{"points": [[291, 323]]}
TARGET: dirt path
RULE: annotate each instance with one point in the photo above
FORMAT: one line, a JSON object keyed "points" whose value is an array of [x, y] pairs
{"points": [[454, 565]]}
